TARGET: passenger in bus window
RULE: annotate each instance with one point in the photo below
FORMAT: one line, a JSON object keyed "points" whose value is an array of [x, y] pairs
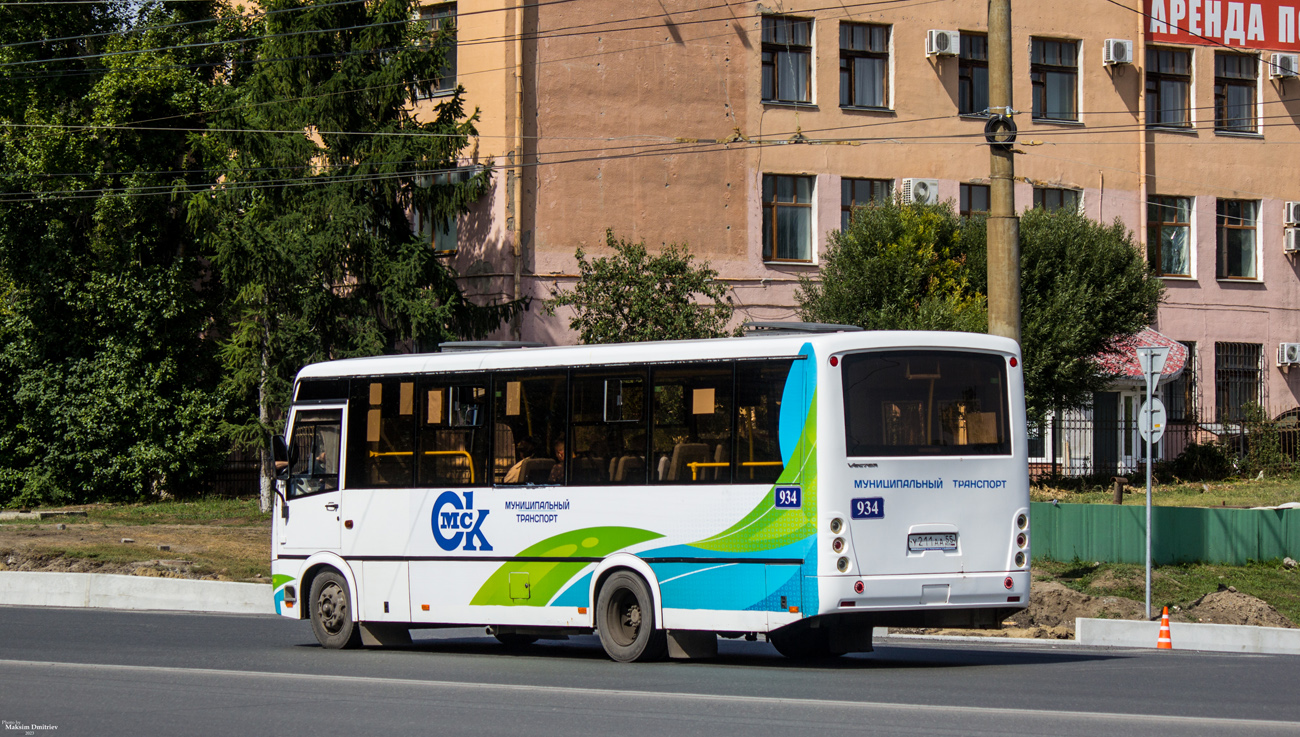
{"points": [[557, 471]]}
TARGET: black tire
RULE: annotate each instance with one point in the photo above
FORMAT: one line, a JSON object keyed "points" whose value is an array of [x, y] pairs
{"points": [[514, 642], [804, 643], [331, 612], [625, 620]]}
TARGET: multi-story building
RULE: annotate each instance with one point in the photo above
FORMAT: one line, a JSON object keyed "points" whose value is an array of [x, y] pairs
{"points": [[749, 129]]}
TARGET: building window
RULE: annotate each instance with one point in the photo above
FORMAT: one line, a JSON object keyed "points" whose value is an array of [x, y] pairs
{"points": [[787, 218], [1054, 74], [787, 60], [864, 65], [1235, 78], [1181, 393], [1169, 87], [973, 74], [1238, 379], [974, 200], [1169, 235], [1054, 198], [1237, 238], [439, 17], [859, 192]]}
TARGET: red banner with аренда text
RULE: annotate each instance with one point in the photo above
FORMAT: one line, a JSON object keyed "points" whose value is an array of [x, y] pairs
{"points": [[1262, 24]]}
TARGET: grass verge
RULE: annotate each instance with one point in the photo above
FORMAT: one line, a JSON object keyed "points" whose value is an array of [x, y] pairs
{"points": [[1268, 492]]}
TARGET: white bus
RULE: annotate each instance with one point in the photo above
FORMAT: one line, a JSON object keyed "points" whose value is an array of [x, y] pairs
{"points": [[802, 485]]}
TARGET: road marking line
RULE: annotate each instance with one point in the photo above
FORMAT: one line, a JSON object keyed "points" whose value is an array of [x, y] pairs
{"points": [[1165, 720]]}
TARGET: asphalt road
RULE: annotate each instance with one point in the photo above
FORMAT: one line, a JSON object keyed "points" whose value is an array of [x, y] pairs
{"points": [[98, 672]]}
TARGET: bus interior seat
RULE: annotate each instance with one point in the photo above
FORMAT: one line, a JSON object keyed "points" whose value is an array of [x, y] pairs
{"points": [[661, 473], [588, 471], [629, 467], [504, 440], [685, 454], [720, 455]]}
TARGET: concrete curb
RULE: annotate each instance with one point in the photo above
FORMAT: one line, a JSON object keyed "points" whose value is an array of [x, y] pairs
{"points": [[1222, 638], [99, 590]]}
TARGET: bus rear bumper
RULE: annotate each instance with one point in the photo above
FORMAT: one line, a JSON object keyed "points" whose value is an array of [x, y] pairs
{"points": [[938, 592]]}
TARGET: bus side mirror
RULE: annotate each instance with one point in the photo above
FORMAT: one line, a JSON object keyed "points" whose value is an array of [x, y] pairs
{"points": [[280, 456]]}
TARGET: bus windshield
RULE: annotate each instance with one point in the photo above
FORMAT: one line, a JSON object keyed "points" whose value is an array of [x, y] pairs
{"points": [[925, 403]]}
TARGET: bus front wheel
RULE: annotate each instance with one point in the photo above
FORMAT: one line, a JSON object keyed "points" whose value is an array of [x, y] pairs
{"points": [[331, 612], [625, 620]]}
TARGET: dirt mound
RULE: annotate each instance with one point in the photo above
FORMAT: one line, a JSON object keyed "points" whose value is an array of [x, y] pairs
{"points": [[12, 561], [1230, 606], [1052, 604]]}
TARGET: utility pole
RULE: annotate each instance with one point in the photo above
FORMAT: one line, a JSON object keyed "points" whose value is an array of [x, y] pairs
{"points": [[1004, 226]]}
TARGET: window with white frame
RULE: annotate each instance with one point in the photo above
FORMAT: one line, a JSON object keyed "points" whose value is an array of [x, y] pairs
{"points": [[1236, 76], [787, 60], [442, 17], [1056, 198], [1169, 87], [1238, 239], [859, 192], [787, 218], [864, 65], [1169, 235], [1054, 76]]}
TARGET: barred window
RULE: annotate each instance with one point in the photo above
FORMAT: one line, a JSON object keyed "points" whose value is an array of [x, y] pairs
{"points": [[1238, 379]]}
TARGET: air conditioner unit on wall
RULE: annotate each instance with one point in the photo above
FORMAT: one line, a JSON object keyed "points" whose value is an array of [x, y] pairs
{"points": [[921, 191], [1291, 213], [1284, 65], [1291, 240], [1288, 354], [1117, 51], [942, 43]]}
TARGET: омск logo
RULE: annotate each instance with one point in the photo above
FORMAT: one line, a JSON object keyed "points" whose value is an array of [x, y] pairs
{"points": [[467, 522]]}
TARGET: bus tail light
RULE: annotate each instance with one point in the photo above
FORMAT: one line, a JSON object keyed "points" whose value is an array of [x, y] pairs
{"points": [[1020, 560], [859, 587], [1022, 521], [838, 545], [842, 564], [837, 524], [1021, 540], [1008, 582]]}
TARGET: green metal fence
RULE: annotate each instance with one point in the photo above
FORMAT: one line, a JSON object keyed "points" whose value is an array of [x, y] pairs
{"points": [[1116, 534]]}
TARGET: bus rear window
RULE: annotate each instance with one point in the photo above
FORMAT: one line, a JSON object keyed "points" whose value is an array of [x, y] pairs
{"points": [[925, 403]]}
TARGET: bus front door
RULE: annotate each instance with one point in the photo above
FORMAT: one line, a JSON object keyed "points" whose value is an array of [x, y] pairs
{"points": [[312, 491]]}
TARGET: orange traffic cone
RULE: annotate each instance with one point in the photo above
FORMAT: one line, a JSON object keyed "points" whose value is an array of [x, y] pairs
{"points": [[1164, 643]]}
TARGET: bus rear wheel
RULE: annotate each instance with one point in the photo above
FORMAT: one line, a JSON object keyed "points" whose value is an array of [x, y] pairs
{"points": [[331, 612], [625, 620]]}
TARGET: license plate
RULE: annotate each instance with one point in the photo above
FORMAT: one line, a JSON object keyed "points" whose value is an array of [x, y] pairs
{"points": [[932, 541]]}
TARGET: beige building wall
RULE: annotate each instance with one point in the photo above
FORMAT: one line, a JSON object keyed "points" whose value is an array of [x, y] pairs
{"points": [[647, 119]]}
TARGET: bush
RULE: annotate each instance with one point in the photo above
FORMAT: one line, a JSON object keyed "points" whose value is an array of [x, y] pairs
{"points": [[1210, 461], [1263, 445]]}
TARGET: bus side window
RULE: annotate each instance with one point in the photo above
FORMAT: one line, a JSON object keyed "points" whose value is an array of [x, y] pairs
{"points": [[381, 433], [452, 439], [759, 388], [529, 420], [315, 452], [692, 416], [607, 443]]}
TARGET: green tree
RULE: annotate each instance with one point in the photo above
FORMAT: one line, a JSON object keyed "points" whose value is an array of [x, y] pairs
{"points": [[109, 386], [632, 296], [321, 159], [896, 268], [1083, 285]]}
